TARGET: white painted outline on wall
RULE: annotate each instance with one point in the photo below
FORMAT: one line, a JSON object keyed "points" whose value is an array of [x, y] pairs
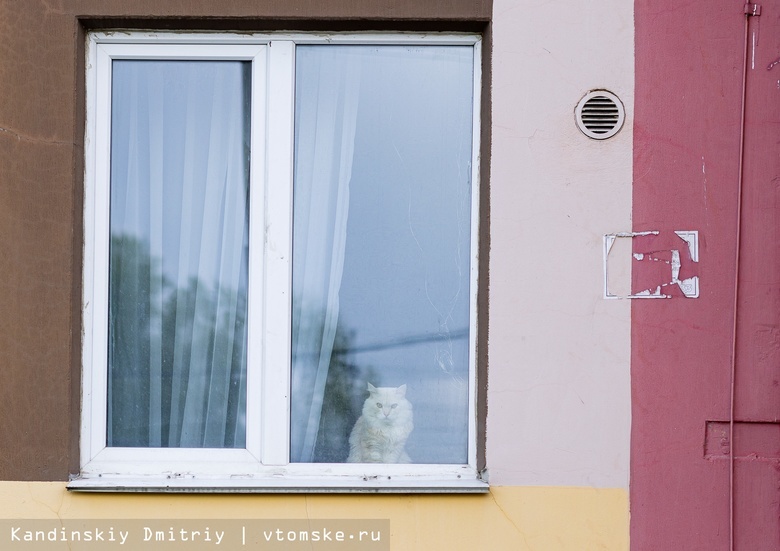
{"points": [[688, 286]]}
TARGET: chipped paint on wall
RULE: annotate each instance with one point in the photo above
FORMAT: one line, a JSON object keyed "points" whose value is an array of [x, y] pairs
{"points": [[677, 264]]}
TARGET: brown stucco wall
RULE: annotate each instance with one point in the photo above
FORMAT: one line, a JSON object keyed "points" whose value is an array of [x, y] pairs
{"points": [[41, 179]]}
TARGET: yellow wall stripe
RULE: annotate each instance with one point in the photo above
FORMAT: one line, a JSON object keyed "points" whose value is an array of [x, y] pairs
{"points": [[509, 517]]}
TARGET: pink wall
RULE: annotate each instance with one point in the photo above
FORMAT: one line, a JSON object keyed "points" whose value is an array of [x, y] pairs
{"points": [[559, 382], [689, 74]]}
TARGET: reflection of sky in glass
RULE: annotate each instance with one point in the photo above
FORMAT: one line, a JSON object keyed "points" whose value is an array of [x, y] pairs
{"points": [[404, 295]]}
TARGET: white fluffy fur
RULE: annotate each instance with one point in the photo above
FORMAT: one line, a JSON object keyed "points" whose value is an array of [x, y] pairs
{"points": [[380, 433]]}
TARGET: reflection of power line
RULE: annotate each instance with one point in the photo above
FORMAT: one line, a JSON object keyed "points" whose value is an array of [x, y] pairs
{"points": [[409, 340]]}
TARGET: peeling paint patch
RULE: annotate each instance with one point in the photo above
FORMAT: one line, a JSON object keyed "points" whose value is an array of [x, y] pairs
{"points": [[667, 267], [753, 440]]}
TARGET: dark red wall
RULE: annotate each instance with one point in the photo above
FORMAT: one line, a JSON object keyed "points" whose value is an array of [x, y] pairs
{"points": [[690, 58]]}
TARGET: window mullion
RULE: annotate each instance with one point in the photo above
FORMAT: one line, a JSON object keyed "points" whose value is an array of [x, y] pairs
{"points": [[256, 260], [275, 399]]}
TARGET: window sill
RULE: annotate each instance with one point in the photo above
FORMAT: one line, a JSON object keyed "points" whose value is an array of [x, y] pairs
{"points": [[343, 485]]}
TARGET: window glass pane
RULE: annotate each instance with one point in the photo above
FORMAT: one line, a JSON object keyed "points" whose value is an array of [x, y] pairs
{"points": [[178, 254], [381, 253]]}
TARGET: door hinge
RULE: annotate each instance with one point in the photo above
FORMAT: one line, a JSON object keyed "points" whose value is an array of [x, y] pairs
{"points": [[752, 9]]}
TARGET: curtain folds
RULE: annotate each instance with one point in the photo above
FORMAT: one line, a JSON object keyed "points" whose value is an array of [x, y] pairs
{"points": [[179, 249], [326, 112]]}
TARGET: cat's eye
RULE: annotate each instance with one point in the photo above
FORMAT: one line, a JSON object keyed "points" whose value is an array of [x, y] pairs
{"points": [[394, 406], [379, 404]]}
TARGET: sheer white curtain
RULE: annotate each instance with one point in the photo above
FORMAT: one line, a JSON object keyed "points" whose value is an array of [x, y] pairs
{"points": [[328, 82], [179, 237]]}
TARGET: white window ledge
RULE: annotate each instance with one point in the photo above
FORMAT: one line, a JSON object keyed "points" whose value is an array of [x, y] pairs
{"points": [[201, 484]]}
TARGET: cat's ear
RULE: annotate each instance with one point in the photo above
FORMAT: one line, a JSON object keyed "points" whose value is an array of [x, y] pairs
{"points": [[401, 390], [371, 388]]}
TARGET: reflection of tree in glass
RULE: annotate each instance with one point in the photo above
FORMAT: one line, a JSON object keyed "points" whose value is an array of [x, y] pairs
{"points": [[204, 360], [130, 337], [177, 356], [341, 403], [346, 381]]}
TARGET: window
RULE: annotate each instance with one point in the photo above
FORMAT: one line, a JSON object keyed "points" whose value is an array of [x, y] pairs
{"points": [[280, 262]]}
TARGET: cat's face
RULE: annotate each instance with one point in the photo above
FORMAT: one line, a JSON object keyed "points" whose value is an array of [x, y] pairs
{"points": [[386, 403]]}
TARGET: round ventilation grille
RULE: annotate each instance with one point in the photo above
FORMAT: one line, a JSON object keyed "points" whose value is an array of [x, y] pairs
{"points": [[600, 115]]}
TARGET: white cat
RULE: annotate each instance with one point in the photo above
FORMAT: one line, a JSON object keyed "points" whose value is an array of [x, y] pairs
{"points": [[380, 433]]}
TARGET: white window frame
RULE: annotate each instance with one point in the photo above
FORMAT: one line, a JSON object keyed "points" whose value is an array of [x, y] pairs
{"points": [[264, 464]]}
